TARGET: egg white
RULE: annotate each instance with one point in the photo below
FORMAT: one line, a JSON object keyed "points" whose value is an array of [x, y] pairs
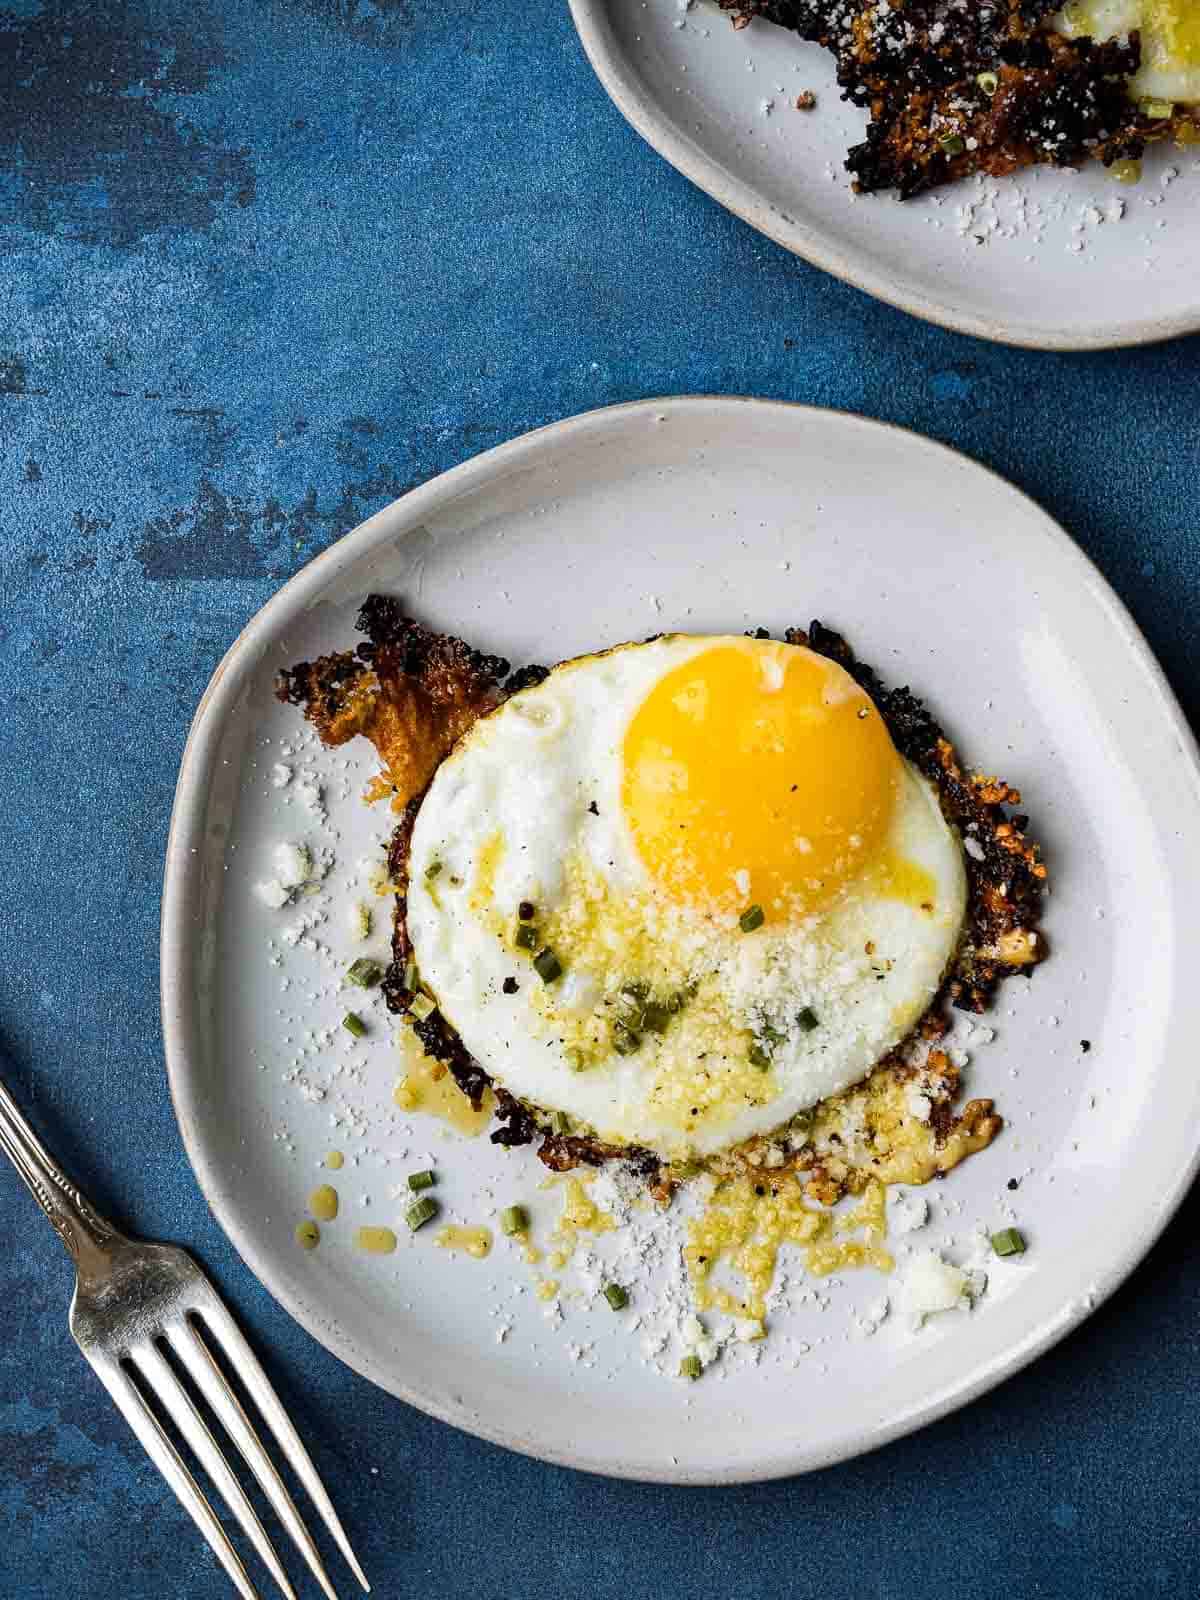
{"points": [[537, 784], [1165, 72]]}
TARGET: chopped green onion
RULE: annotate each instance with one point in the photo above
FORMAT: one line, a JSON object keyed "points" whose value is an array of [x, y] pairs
{"points": [[525, 911], [560, 1122], [988, 82], [616, 1296], [432, 870], [625, 1041], [655, 1016], [364, 973], [759, 1057], [676, 1002], [354, 1024], [807, 1018], [1009, 1242], [632, 1001], [514, 1219], [1157, 110], [410, 976], [421, 1180], [753, 917], [547, 966], [525, 937], [952, 145], [421, 1212], [422, 1007], [690, 1367]]}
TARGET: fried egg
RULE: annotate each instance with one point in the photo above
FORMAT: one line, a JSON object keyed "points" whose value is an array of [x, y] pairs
{"points": [[682, 891], [1170, 34]]}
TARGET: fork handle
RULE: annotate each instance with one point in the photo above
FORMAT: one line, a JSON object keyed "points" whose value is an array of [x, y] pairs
{"points": [[88, 1236]]}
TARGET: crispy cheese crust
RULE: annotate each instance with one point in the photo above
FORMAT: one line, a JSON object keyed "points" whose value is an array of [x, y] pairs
{"points": [[917, 69], [444, 686], [410, 691]]}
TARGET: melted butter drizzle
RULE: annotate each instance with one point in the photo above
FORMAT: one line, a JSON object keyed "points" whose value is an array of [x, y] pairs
{"points": [[750, 1219], [428, 1087], [476, 1242]]}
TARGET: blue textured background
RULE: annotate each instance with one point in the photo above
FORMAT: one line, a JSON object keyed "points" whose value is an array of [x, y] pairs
{"points": [[263, 267]]}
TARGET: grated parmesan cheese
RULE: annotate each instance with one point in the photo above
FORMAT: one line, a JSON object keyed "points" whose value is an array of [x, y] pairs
{"points": [[293, 864], [928, 1285]]}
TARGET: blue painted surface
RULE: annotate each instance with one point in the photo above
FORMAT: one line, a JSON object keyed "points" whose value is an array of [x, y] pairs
{"points": [[263, 267]]}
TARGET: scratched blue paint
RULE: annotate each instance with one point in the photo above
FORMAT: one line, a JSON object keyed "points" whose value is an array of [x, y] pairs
{"points": [[951, 385], [263, 267]]}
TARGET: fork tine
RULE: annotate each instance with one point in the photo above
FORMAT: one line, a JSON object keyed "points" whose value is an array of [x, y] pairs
{"points": [[229, 1337], [168, 1461], [209, 1379], [178, 1404]]}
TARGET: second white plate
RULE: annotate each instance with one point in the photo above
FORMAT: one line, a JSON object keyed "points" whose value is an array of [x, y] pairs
{"points": [[1054, 260], [702, 515]]}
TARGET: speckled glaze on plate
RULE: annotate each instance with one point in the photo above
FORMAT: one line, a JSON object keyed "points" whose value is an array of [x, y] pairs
{"points": [[707, 515], [1040, 259]]}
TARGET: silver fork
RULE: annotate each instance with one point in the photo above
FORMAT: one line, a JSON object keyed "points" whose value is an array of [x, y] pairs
{"points": [[132, 1301]]}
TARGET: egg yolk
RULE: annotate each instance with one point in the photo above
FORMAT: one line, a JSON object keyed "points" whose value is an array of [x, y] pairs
{"points": [[758, 773], [1177, 23]]}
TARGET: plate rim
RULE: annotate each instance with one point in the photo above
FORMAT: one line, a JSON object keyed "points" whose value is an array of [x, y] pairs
{"points": [[180, 934], [610, 65]]}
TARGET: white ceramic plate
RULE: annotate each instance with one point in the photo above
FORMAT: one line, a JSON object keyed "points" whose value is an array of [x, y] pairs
{"points": [[1041, 259], [708, 515]]}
